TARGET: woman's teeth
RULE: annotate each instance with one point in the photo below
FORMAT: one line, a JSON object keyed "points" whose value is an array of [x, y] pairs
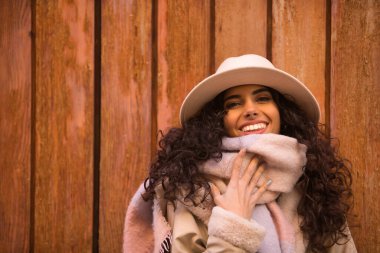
{"points": [[254, 127]]}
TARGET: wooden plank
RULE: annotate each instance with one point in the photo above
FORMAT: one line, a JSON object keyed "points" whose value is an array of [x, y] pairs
{"points": [[15, 124], [64, 126], [299, 43], [183, 54], [240, 28], [355, 109], [125, 113]]}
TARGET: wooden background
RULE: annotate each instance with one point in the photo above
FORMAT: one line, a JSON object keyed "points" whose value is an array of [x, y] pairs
{"points": [[85, 86]]}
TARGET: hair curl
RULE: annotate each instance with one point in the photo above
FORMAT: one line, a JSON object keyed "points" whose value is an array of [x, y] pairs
{"points": [[182, 149], [325, 185]]}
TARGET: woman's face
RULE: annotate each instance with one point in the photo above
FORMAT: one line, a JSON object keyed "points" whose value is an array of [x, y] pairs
{"points": [[250, 109]]}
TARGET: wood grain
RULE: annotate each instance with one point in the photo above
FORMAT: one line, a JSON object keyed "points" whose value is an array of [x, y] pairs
{"points": [[299, 43], [64, 126], [240, 28], [152, 54], [126, 103], [15, 125], [183, 54], [355, 109]]}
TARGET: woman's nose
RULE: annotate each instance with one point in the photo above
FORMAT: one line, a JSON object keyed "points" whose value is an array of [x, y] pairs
{"points": [[250, 110], [250, 115]]}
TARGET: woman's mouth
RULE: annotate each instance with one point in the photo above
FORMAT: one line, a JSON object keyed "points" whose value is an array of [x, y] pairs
{"points": [[254, 128]]}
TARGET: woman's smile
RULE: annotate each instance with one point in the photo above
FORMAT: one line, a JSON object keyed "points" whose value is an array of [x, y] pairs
{"points": [[254, 127], [250, 109]]}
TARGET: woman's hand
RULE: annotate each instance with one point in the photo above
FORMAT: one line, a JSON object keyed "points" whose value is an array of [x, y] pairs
{"points": [[242, 194]]}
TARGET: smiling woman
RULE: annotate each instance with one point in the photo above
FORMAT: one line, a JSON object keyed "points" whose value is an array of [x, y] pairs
{"points": [[250, 109], [248, 171]]}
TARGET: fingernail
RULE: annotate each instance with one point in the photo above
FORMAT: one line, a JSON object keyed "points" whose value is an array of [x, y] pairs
{"points": [[269, 182]]}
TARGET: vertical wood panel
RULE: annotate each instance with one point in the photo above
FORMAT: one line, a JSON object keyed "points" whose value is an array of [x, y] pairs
{"points": [[183, 54], [192, 36], [299, 43], [15, 122], [125, 113], [355, 109], [240, 28], [64, 126]]}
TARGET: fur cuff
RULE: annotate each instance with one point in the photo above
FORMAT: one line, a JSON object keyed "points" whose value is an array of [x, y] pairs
{"points": [[236, 230]]}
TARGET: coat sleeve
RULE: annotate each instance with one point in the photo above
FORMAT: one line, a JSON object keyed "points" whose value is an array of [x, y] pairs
{"points": [[344, 246], [226, 232]]}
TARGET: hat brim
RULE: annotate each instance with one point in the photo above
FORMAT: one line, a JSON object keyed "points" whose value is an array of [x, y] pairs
{"points": [[277, 79]]}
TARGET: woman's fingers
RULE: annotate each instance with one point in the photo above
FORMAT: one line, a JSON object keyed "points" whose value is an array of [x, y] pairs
{"points": [[250, 171], [257, 195], [242, 192], [215, 192], [251, 174], [235, 174], [256, 177], [252, 186]]}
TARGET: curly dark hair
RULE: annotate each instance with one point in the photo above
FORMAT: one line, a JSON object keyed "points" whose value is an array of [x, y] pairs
{"points": [[325, 184]]}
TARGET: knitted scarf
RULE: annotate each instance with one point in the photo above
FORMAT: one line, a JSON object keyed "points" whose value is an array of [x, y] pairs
{"points": [[284, 160]]}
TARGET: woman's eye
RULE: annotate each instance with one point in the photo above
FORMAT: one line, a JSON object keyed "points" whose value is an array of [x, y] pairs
{"points": [[231, 105], [264, 98]]}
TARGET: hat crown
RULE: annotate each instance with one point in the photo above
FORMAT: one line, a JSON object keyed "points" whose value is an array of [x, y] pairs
{"points": [[244, 61]]}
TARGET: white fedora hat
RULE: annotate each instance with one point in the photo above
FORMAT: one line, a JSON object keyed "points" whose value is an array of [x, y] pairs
{"points": [[248, 69]]}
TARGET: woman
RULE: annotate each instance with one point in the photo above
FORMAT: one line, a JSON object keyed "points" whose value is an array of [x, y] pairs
{"points": [[248, 171]]}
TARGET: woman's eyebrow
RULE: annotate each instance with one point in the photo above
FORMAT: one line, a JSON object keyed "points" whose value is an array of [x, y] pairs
{"points": [[264, 89]]}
